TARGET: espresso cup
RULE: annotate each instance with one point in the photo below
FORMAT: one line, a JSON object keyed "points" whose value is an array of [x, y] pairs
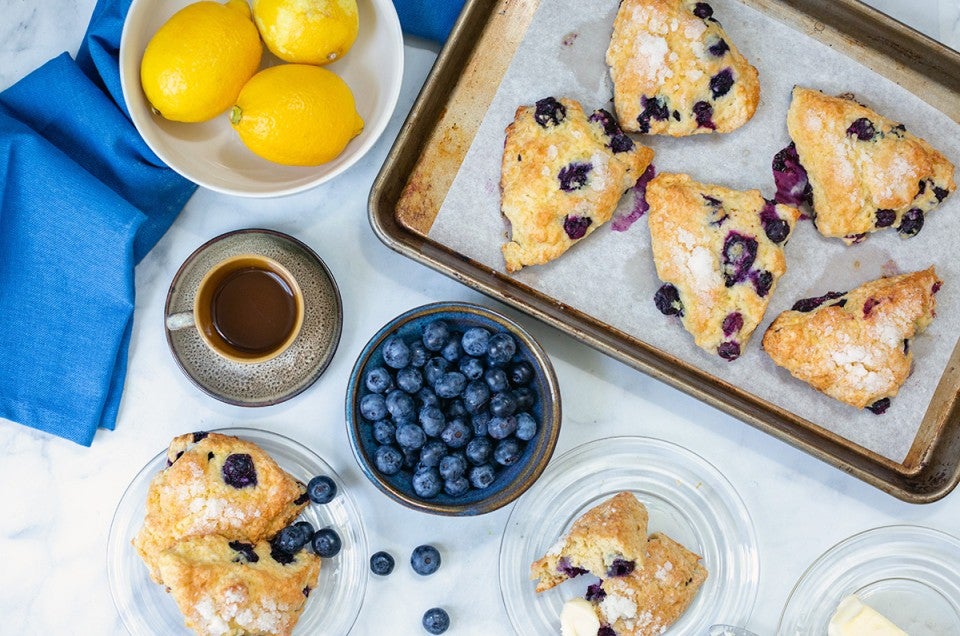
{"points": [[247, 308]]}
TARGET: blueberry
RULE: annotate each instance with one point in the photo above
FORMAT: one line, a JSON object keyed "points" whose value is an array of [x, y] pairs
{"points": [[400, 405], [455, 408], [667, 300], [940, 193], [457, 486], [238, 471], [456, 434], [479, 422], [549, 112], [911, 223], [435, 335], [502, 427], [432, 420], [702, 10], [762, 282], [326, 543], [384, 431], [411, 436], [321, 489], [409, 379], [718, 48], [426, 397], [373, 407], [619, 142], [496, 379], [396, 353], [862, 129], [503, 404], [199, 435], [576, 226], [378, 380], [595, 593], [885, 218], [776, 229], [482, 476], [521, 373], [809, 304], [411, 458], [621, 567], [471, 367], [721, 83], [507, 452], [475, 340], [732, 323], [432, 452], [280, 556], [729, 350], [425, 560], [574, 176], [450, 385], [246, 552], [739, 253], [427, 483], [606, 630], [479, 450], [388, 460], [525, 397], [418, 354], [434, 370], [381, 563], [292, 538], [501, 349], [880, 406], [452, 466], [452, 351], [526, 427], [436, 620], [475, 395], [655, 108], [793, 186], [703, 114]]}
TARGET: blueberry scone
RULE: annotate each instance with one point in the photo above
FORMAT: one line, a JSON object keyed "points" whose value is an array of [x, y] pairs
{"points": [[609, 540], [864, 171], [562, 175], [855, 346], [228, 587], [676, 72], [216, 484], [719, 253]]}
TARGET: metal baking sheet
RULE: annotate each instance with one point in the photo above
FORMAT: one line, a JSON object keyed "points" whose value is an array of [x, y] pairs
{"points": [[415, 178]]}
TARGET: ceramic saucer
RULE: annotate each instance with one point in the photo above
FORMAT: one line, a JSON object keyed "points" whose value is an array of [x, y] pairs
{"points": [[278, 379]]}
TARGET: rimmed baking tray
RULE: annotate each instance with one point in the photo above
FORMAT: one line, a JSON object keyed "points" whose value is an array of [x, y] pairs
{"points": [[412, 184]]}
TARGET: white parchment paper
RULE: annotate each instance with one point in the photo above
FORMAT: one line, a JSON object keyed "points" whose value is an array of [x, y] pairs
{"points": [[611, 275]]}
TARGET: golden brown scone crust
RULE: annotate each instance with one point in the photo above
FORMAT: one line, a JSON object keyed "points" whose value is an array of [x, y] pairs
{"points": [[854, 347], [562, 178], [191, 498], [238, 589], [675, 73], [690, 225], [614, 529], [858, 169], [648, 600]]}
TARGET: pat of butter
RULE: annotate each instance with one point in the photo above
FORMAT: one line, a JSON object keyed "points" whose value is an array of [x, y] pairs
{"points": [[853, 618], [577, 618]]}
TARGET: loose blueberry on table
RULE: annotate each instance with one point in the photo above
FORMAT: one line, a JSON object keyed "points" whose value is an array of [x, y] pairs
{"points": [[425, 560], [381, 563], [436, 620]]}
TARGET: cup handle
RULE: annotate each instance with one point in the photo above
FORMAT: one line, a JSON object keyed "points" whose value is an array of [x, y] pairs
{"points": [[181, 320]]}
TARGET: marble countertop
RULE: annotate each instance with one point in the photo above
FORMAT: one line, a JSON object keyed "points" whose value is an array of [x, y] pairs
{"points": [[53, 534]]}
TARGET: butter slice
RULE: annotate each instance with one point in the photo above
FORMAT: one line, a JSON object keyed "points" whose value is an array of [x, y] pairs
{"points": [[854, 618], [578, 618]]}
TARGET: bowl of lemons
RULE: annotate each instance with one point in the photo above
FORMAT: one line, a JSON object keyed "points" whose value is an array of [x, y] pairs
{"points": [[261, 98]]}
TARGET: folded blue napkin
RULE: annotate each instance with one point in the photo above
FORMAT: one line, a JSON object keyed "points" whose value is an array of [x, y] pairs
{"points": [[82, 200], [431, 19]]}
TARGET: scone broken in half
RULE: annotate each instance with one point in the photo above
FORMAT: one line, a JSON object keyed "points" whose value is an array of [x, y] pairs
{"points": [[855, 346], [562, 175], [676, 72], [719, 253], [860, 171]]}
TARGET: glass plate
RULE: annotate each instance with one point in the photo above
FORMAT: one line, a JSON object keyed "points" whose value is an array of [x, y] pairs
{"points": [[146, 608], [687, 498], [910, 574]]}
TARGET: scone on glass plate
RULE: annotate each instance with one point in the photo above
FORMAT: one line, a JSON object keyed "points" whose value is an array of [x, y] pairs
{"points": [[562, 175], [676, 72], [860, 171], [855, 346], [719, 253]]}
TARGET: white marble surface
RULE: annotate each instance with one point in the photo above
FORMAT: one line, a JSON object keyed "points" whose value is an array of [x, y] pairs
{"points": [[61, 497]]}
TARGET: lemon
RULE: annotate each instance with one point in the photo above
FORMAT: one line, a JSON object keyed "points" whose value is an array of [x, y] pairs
{"points": [[296, 114], [307, 31], [195, 65]]}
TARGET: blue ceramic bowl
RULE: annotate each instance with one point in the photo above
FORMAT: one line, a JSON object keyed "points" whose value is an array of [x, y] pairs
{"points": [[511, 481]]}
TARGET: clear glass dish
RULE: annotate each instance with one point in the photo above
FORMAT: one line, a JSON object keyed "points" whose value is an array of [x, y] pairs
{"points": [[146, 608], [910, 574], [687, 498]]}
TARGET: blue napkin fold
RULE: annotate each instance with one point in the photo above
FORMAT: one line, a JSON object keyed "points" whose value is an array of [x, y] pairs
{"points": [[82, 200], [431, 19]]}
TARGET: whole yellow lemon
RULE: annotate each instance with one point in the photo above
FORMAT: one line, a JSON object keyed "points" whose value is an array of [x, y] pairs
{"points": [[307, 31], [195, 65], [296, 114]]}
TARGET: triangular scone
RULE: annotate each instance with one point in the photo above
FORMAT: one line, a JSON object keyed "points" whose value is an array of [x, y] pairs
{"points": [[866, 171], [855, 346], [676, 72], [216, 484], [562, 177], [229, 588], [649, 600], [720, 254], [609, 540]]}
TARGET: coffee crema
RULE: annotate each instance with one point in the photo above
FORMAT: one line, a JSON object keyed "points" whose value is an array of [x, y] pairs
{"points": [[253, 310]]}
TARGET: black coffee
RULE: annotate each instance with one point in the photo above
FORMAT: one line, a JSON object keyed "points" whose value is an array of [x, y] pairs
{"points": [[254, 310]]}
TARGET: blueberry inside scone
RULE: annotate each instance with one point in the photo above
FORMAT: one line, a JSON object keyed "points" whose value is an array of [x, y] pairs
{"points": [[676, 72], [719, 253], [860, 171], [562, 175]]}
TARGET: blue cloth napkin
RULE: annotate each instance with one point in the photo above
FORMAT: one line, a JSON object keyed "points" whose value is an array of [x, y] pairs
{"points": [[82, 200], [431, 19]]}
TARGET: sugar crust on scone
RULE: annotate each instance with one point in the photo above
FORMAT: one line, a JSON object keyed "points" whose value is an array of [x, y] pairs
{"points": [[854, 346], [720, 254], [562, 175], [676, 72], [866, 172]]}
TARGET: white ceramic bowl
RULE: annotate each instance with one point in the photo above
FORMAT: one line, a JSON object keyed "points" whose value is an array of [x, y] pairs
{"points": [[211, 154]]}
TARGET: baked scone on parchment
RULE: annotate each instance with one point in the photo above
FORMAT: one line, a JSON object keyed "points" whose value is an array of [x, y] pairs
{"points": [[676, 72], [561, 178], [719, 253], [227, 587], [865, 172], [855, 346]]}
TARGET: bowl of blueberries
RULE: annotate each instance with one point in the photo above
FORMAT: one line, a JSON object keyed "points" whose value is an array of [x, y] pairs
{"points": [[453, 409]]}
